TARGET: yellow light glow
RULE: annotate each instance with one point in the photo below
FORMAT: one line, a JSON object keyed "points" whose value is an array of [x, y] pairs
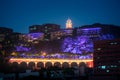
{"points": [[69, 24], [45, 60]]}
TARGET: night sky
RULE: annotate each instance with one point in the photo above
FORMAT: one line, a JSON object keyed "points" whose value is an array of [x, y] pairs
{"points": [[20, 14]]}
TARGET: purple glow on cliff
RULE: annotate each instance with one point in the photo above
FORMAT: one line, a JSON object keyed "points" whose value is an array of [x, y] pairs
{"points": [[92, 29], [84, 42], [22, 48], [89, 31], [106, 36], [34, 36], [79, 45]]}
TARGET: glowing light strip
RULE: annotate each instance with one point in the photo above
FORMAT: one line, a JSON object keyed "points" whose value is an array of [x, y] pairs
{"points": [[49, 60]]}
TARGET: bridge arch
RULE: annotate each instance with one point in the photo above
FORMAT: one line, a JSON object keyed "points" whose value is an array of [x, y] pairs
{"points": [[40, 65], [23, 64], [15, 64], [74, 64], [65, 65], [31, 65], [82, 64], [57, 64], [48, 64]]}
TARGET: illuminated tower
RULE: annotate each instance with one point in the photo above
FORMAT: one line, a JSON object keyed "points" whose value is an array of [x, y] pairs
{"points": [[69, 24]]}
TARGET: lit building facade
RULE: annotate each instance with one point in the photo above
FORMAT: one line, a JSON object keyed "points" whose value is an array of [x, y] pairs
{"points": [[35, 37], [45, 28], [92, 33], [107, 57], [61, 34], [27, 41], [35, 28], [99, 31], [57, 35]]}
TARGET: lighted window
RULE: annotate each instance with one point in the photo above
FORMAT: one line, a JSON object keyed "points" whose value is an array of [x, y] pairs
{"points": [[8, 41], [58, 37], [113, 66], [30, 28], [98, 57], [34, 28], [107, 70], [103, 67], [112, 43], [99, 66], [98, 48], [118, 61], [115, 42]]}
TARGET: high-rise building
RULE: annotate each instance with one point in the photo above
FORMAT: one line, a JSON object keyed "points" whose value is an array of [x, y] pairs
{"points": [[107, 57], [35, 28], [57, 35], [69, 24], [45, 28]]}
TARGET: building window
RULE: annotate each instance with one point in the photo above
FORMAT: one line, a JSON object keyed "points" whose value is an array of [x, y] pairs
{"points": [[45, 30], [103, 67], [31, 28], [8, 42], [98, 49], [107, 71], [34, 28], [113, 43], [113, 66], [118, 61], [98, 57]]}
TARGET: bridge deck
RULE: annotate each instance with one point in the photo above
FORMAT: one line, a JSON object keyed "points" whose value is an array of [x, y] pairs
{"points": [[48, 60], [89, 62]]}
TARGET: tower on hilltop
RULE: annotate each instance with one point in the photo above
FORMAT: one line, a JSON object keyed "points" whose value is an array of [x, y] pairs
{"points": [[68, 24]]}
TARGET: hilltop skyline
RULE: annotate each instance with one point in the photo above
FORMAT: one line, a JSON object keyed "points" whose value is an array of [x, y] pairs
{"points": [[20, 14]]}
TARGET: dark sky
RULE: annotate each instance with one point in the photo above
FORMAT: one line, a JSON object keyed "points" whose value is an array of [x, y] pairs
{"points": [[20, 14]]}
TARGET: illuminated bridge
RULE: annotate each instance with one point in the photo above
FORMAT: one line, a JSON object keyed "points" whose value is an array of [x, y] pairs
{"points": [[39, 63]]}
